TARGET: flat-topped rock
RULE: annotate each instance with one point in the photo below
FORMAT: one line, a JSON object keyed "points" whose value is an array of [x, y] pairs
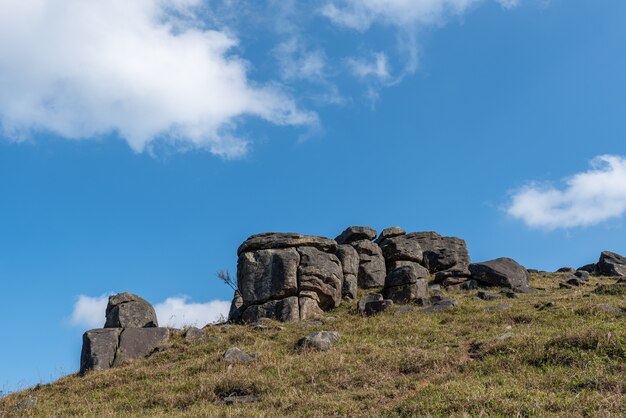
{"points": [[504, 272], [611, 264], [372, 270], [264, 275], [275, 240], [442, 253], [356, 233], [394, 231], [127, 310], [99, 348], [401, 248]]}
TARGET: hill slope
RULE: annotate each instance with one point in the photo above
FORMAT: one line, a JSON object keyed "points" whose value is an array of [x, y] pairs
{"points": [[528, 358]]}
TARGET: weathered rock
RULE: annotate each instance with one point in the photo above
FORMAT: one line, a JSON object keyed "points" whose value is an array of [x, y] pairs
{"points": [[321, 273], [394, 231], [269, 274], [366, 299], [233, 399], [126, 310], [195, 334], [309, 306], [373, 308], [406, 284], [372, 270], [504, 272], [276, 240], [403, 247], [349, 259], [589, 268], [408, 274], [611, 264], [25, 404], [458, 273], [319, 340], [137, 343], [356, 233], [404, 309], [99, 348], [566, 270], [565, 286], [235, 355], [582, 275], [284, 310], [236, 307], [442, 253], [488, 295], [439, 305], [575, 281], [464, 286]]}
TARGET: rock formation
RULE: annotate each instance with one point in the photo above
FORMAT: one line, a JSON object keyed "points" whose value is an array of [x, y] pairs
{"points": [[611, 264], [504, 272], [445, 257]]}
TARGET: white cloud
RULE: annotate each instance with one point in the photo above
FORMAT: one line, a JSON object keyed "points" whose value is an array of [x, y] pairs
{"points": [[177, 312], [588, 198], [144, 69], [376, 67], [299, 63]]}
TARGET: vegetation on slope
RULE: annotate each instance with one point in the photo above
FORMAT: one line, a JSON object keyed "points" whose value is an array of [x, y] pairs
{"points": [[533, 358]]}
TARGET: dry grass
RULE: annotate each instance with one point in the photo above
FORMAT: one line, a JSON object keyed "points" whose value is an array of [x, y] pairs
{"points": [[567, 360]]}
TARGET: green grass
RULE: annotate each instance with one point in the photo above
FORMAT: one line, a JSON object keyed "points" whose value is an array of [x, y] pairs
{"points": [[567, 360]]}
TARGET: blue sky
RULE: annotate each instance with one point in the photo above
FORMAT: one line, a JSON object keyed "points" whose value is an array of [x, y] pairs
{"points": [[141, 142]]}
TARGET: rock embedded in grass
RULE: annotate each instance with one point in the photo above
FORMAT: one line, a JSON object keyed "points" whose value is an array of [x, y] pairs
{"points": [[319, 340], [378, 306], [484, 295], [235, 355]]}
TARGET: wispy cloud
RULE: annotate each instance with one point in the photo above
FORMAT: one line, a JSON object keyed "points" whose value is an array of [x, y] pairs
{"points": [[89, 312], [376, 67], [146, 70], [587, 198]]}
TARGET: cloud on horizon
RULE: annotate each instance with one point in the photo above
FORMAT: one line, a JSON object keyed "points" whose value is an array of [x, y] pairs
{"points": [[146, 70], [89, 312], [587, 198]]}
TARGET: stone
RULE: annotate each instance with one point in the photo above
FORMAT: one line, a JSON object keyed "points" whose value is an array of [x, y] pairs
{"points": [[376, 307], [545, 305], [565, 286], [99, 349], [236, 307], [442, 253], [575, 281], [284, 310], [611, 264], [356, 233], [408, 292], [394, 231], [408, 274], [455, 273], [508, 294], [235, 355], [505, 336], [319, 340], [27, 403], [404, 309], [621, 280], [488, 295], [589, 268], [126, 310], [195, 334], [366, 299], [269, 274], [233, 399], [321, 273], [439, 305], [582, 275], [611, 289], [504, 272], [309, 306], [566, 270], [372, 269], [349, 259], [276, 240], [404, 247], [312, 323], [452, 281], [138, 343]]}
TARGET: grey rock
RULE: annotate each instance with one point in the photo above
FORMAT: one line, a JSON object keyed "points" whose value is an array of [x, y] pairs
{"points": [[356, 233], [611, 289], [505, 336], [589, 268], [234, 399], [366, 299], [404, 247], [488, 295], [504, 272], [575, 281], [545, 305], [442, 253], [312, 323], [267, 274], [508, 294], [126, 310], [235, 355], [408, 274], [25, 404], [566, 270], [284, 310], [372, 269], [621, 280], [582, 275], [319, 340], [236, 307], [565, 286], [138, 343], [276, 240], [611, 264], [195, 334], [376, 307], [394, 231], [407, 292], [321, 273], [404, 309], [459, 273], [309, 305], [99, 348], [439, 305], [350, 286], [349, 259]]}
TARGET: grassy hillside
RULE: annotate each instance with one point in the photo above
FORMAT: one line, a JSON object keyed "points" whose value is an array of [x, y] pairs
{"points": [[532, 359]]}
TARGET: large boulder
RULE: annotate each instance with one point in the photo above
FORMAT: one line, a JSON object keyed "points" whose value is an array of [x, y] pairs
{"points": [[442, 253], [322, 274], [319, 340], [284, 310], [126, 310], [611, 264], [401, 248], [394, 231], [268, 274], [137, 343], [504, 272], [372, 269], [274, 240], [407, 283], [356, 233], [234, 314], [99, 348], [349, 259]]}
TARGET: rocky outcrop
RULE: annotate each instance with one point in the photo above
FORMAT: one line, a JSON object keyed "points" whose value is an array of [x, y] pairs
{"points": [[130, 333], [126, 310], [611, 264], [504, 272], [445, 257], [406, 279], [288, 277], [356, 233], [349, 259], [372, 269]]}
